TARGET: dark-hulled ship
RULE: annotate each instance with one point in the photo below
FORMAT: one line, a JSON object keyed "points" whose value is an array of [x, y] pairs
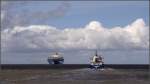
{"points": [[55, 59]]}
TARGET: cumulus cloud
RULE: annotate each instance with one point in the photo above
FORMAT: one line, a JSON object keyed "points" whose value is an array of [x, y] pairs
{"points": [[92, 36]]}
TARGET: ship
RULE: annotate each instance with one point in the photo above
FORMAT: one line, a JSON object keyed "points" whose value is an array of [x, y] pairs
{"points": [[97, 61], [55, 59]]}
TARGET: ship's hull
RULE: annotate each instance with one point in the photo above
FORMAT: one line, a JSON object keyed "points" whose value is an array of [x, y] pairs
{"points": [[97, 66], [55, 61]]}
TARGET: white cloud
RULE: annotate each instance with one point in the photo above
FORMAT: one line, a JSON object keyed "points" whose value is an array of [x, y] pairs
{"points": [[92, 36], [2, 15]]}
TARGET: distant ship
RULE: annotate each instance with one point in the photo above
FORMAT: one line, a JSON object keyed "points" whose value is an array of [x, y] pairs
{"points": [[97, 62], [55, 59]]}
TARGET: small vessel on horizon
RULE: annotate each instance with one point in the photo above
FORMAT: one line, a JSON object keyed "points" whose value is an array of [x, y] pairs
{"points": [[97, 61], [55, 59]]}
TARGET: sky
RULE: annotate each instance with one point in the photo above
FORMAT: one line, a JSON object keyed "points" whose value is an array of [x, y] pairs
{"points": [[112, 27], [62, 14]]}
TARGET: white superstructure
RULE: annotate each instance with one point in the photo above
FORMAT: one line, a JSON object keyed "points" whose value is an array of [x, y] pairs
{"points": [[97, 61]]}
